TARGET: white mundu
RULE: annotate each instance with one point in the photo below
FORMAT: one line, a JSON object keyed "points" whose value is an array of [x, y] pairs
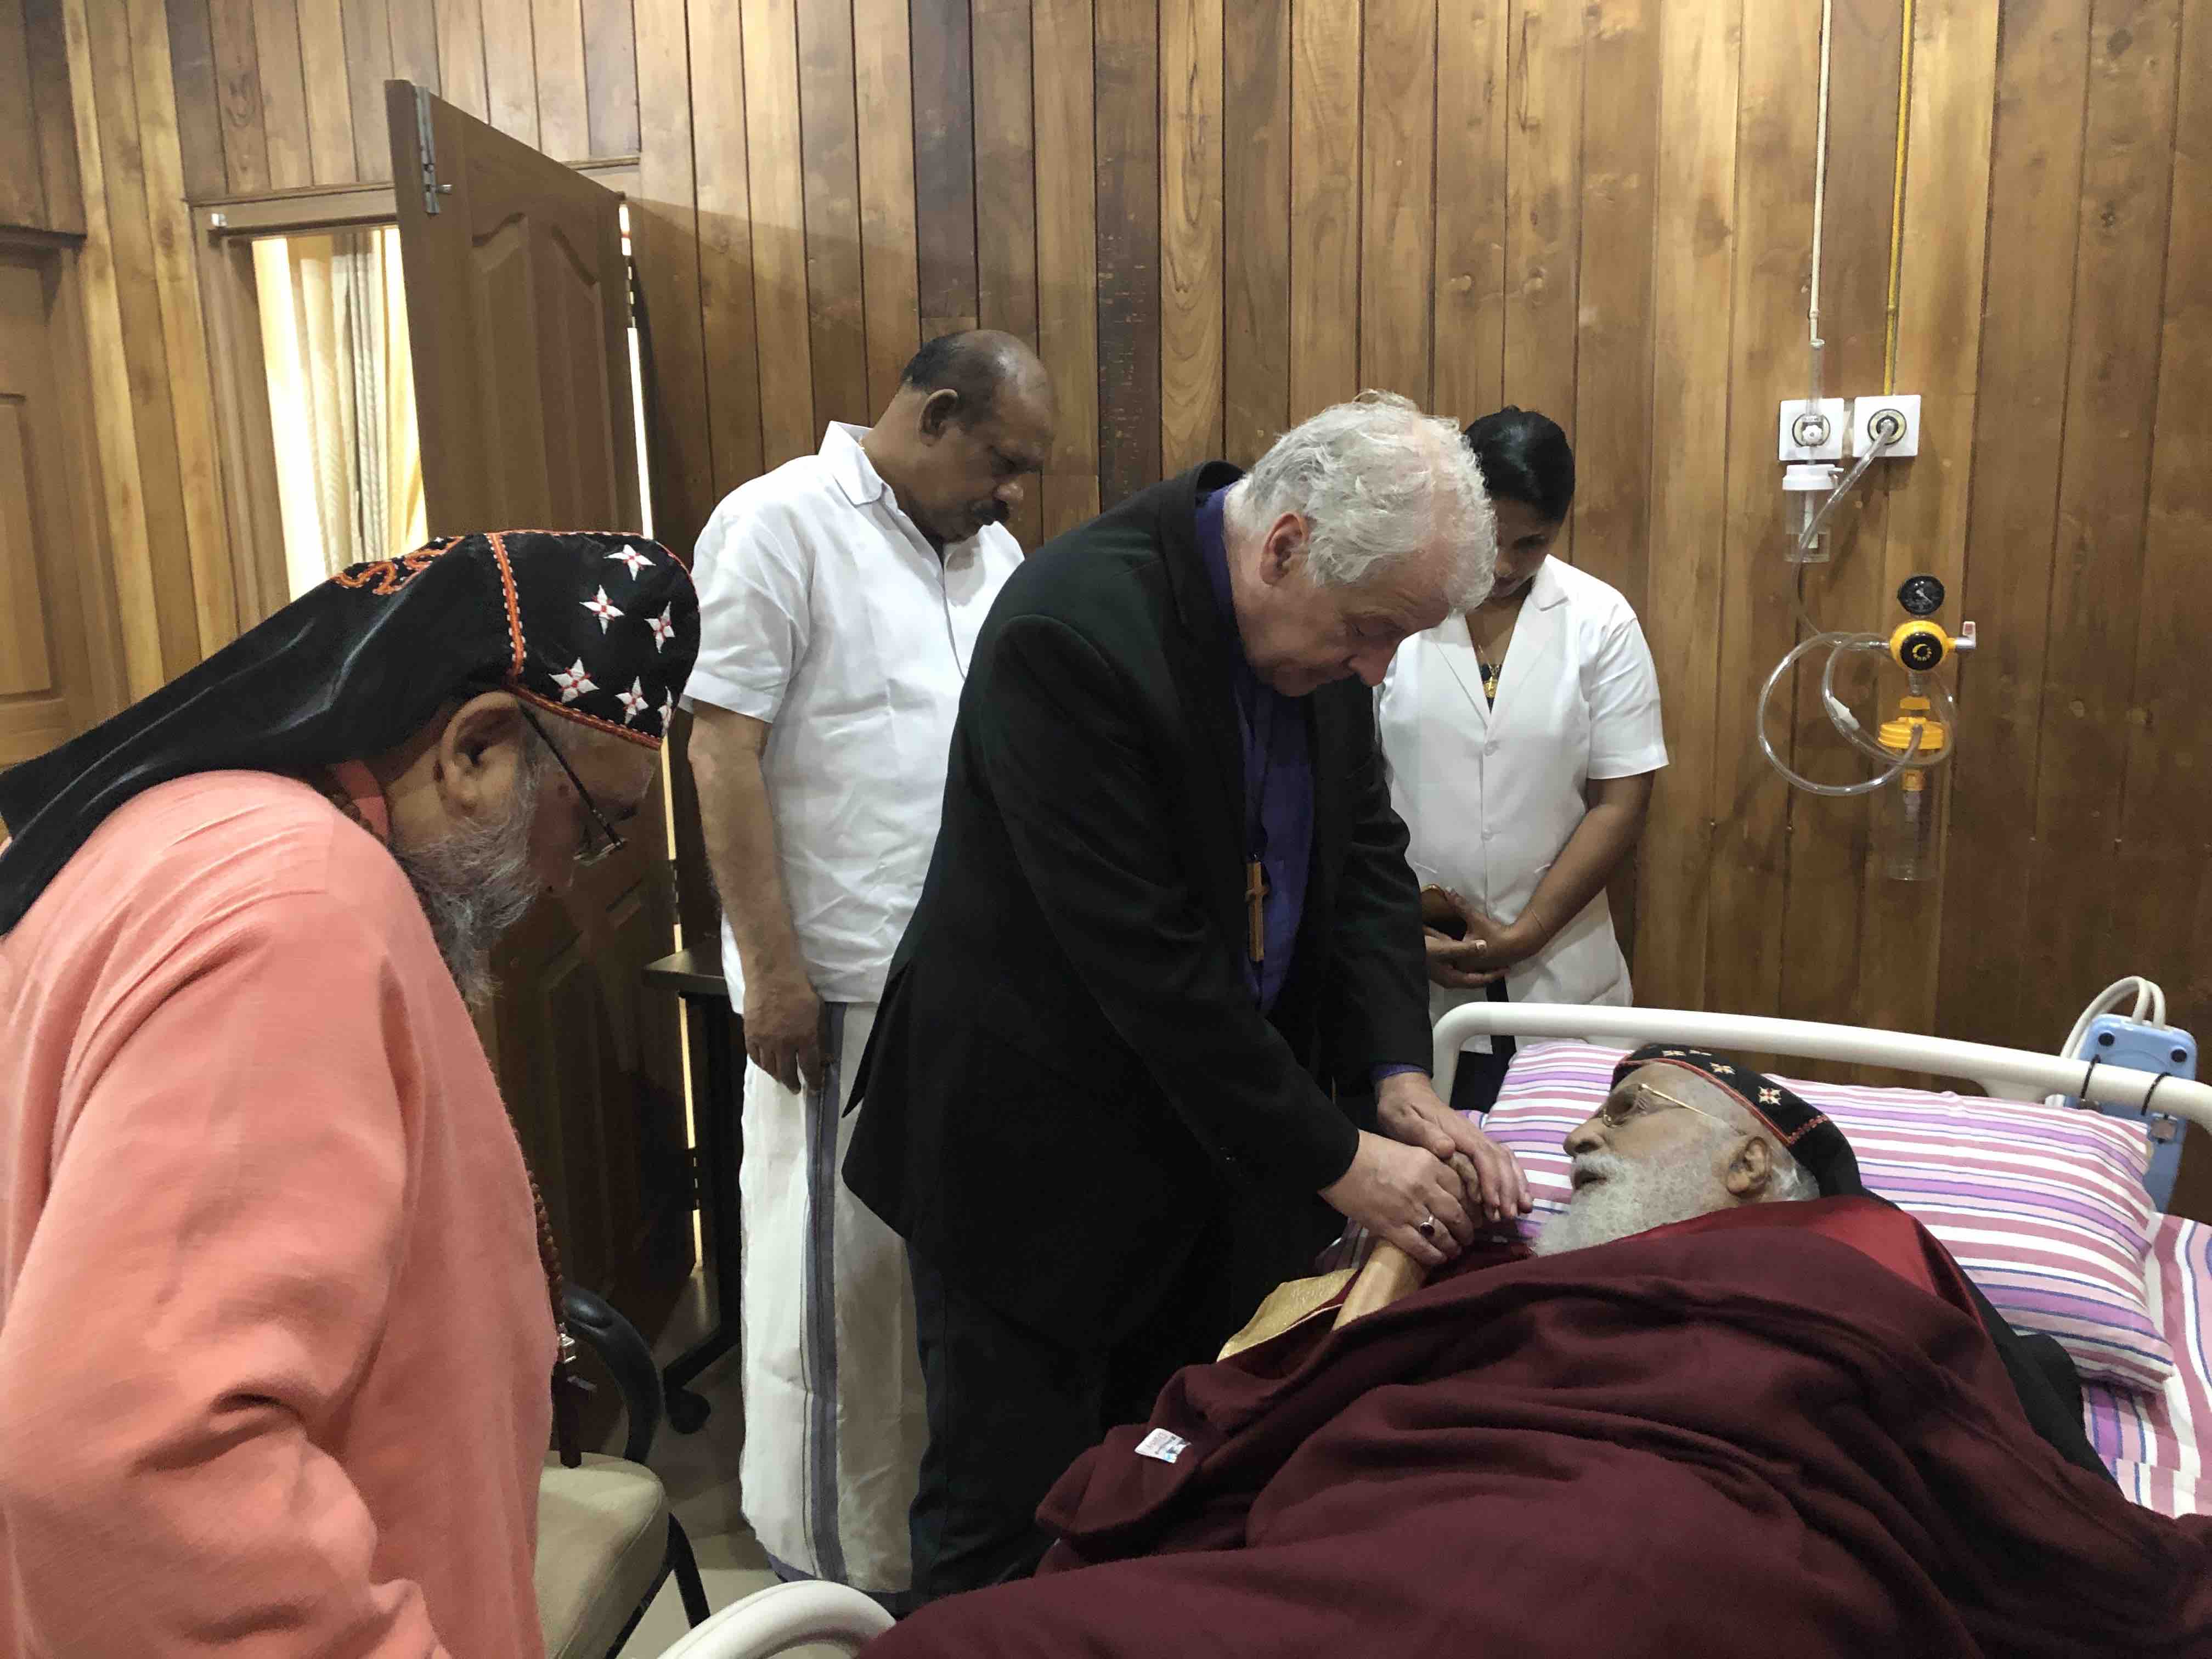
{"points": [[1493, 794], [824, 612]]}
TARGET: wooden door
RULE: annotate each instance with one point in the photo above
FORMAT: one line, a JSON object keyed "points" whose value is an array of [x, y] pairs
{"points": [[518, 307], [59, 654]]}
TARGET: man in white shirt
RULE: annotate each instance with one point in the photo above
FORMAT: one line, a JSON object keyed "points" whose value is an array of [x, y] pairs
{"points": [[840, 597]]}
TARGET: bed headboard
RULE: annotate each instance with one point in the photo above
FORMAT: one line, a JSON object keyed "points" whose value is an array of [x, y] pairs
{"points": [[2007, 1074]]}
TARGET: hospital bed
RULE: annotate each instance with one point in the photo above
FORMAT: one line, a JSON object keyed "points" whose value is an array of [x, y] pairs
{"points": [[2150, 1440]]}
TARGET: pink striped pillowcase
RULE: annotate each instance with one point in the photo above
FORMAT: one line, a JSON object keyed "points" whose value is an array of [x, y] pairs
{"points": [[2153, 1443], [2043, 1206]]}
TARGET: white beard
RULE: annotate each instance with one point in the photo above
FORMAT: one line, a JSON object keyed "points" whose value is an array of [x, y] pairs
{"points": [[476, 883], [1628, 1199]]}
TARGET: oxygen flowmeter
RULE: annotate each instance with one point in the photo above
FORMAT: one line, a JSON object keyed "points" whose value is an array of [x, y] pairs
{"points": [[1918, 737]]}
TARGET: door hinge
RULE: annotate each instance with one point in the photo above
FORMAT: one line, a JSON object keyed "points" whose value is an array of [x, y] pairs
{"points": [[432, 190]]}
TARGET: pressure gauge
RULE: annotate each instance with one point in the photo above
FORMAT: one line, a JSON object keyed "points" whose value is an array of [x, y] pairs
{"points": [[1921, 596]]}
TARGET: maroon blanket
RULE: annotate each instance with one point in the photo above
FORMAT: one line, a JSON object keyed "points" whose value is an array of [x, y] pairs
{"points": [[1742, 1436]]}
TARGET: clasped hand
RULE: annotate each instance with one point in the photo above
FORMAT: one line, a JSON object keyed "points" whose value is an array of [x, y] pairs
{"points": [[1428, 1162], [1468, 948]]}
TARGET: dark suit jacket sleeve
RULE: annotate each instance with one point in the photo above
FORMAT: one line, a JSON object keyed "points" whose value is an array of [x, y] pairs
{"points": [[1378, 984], [1097, 842]]}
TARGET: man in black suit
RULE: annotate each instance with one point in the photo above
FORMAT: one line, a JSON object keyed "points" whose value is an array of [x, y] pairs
{"points": [[1163, 1007]]}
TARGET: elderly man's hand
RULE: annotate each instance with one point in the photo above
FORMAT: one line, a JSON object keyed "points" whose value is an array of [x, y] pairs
{"points": [[1406, 1108], [1405, 1194]]}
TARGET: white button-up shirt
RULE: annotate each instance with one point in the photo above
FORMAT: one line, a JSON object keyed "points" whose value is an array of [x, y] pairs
{"points": [[824, 612], [1493, 794]]}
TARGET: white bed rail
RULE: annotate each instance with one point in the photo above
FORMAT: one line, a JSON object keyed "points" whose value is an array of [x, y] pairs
{"points": [[2010, 1074], [783, 1616]]}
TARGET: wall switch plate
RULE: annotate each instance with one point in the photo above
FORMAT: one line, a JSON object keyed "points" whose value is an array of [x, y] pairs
{"points": [[1866, 410], [1813, 431]]}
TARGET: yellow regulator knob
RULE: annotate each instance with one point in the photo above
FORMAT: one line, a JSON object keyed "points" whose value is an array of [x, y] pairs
{"points": [[1919, 645]]}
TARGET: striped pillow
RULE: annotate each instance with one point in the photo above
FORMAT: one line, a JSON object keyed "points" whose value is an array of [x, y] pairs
{"points": [[2153, 1444], [2043, 1206]]}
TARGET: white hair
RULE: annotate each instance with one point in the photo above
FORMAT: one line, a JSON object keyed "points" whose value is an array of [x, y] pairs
{"points": [[1376, 481], [1792, 1183]]}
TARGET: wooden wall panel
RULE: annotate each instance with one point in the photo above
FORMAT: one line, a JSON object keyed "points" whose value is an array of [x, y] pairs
{"points": [[131, 233], [198, 104], [1613, 346], [1128, 125], [278, 60], [946, 98], [830, 141], [1256, 213], [1326, 190], [511, 68], [1472, 56], [1543, 192], [1828, 839], [1938, 350], [415, 50], [115, 416], [1397, 188], [884, 78], [22, 192], [2104, 475], [777, 203], [1212, 218], [323, 64], [2035, 212], [674, 224], [564, 116], [725, 274], [1006, 196], [1067, 252], [1774, 209], [1190, 233], [2165, 874], [54, 110], [464, 74], [182, 335], [368, 66], [610, 76], [1693, 263], [238, 92]]}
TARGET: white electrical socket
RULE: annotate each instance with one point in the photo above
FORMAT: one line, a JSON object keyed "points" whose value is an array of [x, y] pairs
{"points": [[1812, 431], [1866, 410]]}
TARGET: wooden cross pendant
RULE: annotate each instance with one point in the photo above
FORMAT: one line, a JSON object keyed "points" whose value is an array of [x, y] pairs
{"points": [[1256, 896]]}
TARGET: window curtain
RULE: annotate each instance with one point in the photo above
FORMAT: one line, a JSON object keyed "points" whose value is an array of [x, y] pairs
{"points": [[341, 398]]}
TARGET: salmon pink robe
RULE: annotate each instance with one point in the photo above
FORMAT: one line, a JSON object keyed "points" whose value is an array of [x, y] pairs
{"points": [[274, 1339]]}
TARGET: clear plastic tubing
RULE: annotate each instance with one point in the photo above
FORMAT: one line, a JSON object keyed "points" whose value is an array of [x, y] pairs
{"points": [[1837, 644]]}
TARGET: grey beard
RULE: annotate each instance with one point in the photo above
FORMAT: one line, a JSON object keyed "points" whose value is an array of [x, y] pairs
{"points": [[476, 883], [1632, 1197]]}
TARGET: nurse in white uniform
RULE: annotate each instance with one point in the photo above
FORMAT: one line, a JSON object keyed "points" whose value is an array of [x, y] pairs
{"points": [[1521, 740]]}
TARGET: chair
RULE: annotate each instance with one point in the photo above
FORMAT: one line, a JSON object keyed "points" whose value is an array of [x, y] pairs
{"points": [[784, 1617], [606, 1540]]}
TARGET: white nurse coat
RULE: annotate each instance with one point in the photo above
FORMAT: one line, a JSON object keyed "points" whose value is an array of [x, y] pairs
{"points": [[1492, 795]]}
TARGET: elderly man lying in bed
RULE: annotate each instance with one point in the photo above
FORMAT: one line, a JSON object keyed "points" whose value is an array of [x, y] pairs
{"points": [[1729, 1404]]}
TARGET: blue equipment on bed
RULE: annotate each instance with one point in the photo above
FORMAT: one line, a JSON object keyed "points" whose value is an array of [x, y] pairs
{"points": [[2144, 1046]]}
